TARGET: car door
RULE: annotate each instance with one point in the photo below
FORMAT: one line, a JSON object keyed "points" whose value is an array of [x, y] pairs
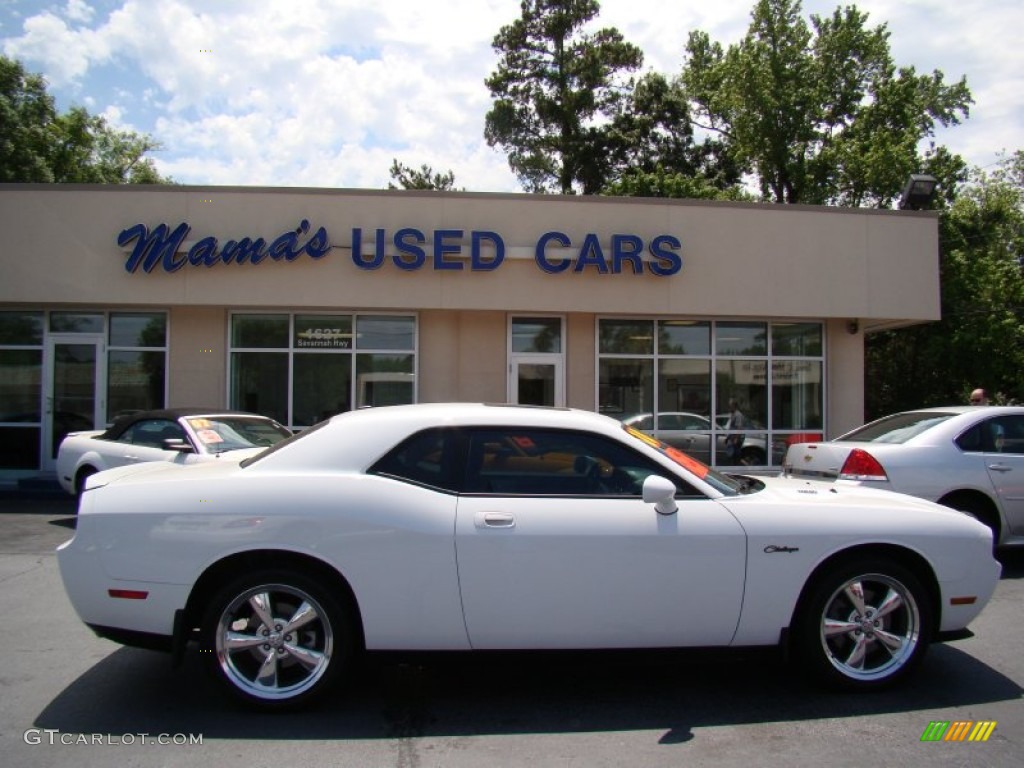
{"points": [[1004, 460], [556, 548]]}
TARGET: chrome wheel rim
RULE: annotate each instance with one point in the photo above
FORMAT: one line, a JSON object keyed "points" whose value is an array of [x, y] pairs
{"points": [[274, 642], [870, 627]]}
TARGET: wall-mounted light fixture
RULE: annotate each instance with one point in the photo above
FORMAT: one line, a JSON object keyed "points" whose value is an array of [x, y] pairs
{"points": [[919, 192], [852, 326]]}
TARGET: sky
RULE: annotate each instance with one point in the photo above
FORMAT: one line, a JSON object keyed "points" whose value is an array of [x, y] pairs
{"points": [[327, 93]]}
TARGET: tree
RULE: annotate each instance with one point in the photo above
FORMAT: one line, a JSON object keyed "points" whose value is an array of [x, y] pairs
{"points": [[424, 178], [39, 145], [553, 87], [650, 149], [821, 114], [980, 339]]}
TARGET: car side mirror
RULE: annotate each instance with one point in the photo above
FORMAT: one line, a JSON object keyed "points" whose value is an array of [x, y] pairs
{"points": [[177, 444], [660, 492]]}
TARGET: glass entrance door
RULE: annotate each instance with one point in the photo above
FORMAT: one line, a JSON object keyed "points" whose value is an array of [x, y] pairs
{"points": [[74, 387], [537, 380]]}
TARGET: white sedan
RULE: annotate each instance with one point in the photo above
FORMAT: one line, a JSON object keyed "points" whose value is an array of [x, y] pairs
{"points": [[466, 527], [181, 435], [967, 457]]}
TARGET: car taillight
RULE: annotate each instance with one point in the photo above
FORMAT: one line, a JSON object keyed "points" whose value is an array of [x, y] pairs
{"points": [[861, 465]]}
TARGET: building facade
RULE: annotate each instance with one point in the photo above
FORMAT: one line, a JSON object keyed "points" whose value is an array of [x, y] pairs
{"points": [[730, 329]]}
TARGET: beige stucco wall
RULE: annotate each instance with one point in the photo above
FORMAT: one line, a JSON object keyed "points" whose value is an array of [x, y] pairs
{"points": [[738, 260], [879, 268]]}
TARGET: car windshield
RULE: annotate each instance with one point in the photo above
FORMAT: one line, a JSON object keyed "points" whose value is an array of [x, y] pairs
{"points": [[220, 434], [898, 428], [727, 484]]}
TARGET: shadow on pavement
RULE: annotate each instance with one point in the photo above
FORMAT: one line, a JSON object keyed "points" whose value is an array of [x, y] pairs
{"points": [[441, 695]]}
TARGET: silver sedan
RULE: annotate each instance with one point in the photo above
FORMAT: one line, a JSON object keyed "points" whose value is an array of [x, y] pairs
{"points": [[967, 457]]}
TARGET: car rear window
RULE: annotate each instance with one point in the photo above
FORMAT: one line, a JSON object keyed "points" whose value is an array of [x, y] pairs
{"points": [[898, 428]]}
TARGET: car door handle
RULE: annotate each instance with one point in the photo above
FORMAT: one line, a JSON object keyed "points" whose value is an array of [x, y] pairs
{"points": [[494, 520], [1000, 468]]}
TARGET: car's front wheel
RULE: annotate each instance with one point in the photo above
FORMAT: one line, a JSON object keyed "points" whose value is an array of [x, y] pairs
{"points": [[863, 625], [276, 639]]}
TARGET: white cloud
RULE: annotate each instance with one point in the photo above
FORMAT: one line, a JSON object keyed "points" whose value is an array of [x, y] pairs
{"points": [[328, 92]]}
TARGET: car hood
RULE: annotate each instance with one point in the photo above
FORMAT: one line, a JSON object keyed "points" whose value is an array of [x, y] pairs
{"points": [[800, 504]]}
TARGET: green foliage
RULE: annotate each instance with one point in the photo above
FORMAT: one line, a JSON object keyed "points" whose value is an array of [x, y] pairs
{"points": [[406, 177], [980, 340], [820, 114], [554, 89], [39, 145]]}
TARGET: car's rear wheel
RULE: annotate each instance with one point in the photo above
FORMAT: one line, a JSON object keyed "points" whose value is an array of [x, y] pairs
{"points": [[276, 639], [863, 625]]}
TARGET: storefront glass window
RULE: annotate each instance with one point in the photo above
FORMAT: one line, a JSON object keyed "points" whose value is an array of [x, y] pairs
{"points": [[76, 322], [537, 335], [796, 339], [321, 364], [385, 332], [21, 329], [626, 387], [741, 338], [20, 379], [684, 337], [259, 383], [259, 331], [136, 362], [626, 337], [384, 380], [737, 401], [21, 393], [138, 329]]}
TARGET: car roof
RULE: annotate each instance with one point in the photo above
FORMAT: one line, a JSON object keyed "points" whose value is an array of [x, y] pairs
{"points": [[365, 434]]}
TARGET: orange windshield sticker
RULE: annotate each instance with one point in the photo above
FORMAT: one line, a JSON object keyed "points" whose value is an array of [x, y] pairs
{"points": [[686, 461]]}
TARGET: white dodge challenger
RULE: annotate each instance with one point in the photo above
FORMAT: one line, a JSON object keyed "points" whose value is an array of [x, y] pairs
{"points": [[468, 526]]}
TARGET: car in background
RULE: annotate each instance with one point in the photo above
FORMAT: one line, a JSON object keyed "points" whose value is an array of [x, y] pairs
{"points": [[472, 527], [970, 458], [179, 435], [691, 432]]}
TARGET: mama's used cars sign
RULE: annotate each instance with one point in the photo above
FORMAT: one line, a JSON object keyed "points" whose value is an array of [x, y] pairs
{"points": [[409, 249]]}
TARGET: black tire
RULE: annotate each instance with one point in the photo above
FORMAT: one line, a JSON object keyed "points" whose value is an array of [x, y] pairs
{"points": [[84, 474], [978, 508], [866, 642], [276, 639]]}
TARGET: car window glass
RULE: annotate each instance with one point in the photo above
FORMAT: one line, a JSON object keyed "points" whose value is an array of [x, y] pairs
{"points": [[538, 462], [1005, 434], [974, 439], [898, 428], [420, 459], [153, 432]]}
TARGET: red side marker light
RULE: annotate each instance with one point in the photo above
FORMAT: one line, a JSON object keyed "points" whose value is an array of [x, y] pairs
{"points": [[967, 600], [861, 465], [128, 594]]}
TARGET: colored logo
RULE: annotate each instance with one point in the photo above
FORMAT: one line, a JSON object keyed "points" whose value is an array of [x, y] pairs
{"points": [[958, 730]]}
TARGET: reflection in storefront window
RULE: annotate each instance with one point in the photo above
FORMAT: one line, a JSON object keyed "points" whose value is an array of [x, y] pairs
{"points": [[21, 381], [136, 362], [76, 322], [735, 402], [330, 363], [537, 334]]}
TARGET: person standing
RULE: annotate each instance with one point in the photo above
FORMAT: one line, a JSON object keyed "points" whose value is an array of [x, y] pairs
{"points": [[978, 397]]}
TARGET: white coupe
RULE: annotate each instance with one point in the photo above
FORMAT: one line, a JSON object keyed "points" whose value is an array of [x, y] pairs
{"points": [[182, 435], [463, 527]]}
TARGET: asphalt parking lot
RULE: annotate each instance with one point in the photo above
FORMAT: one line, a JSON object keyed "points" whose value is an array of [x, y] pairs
{"points": [[71, 698]]}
